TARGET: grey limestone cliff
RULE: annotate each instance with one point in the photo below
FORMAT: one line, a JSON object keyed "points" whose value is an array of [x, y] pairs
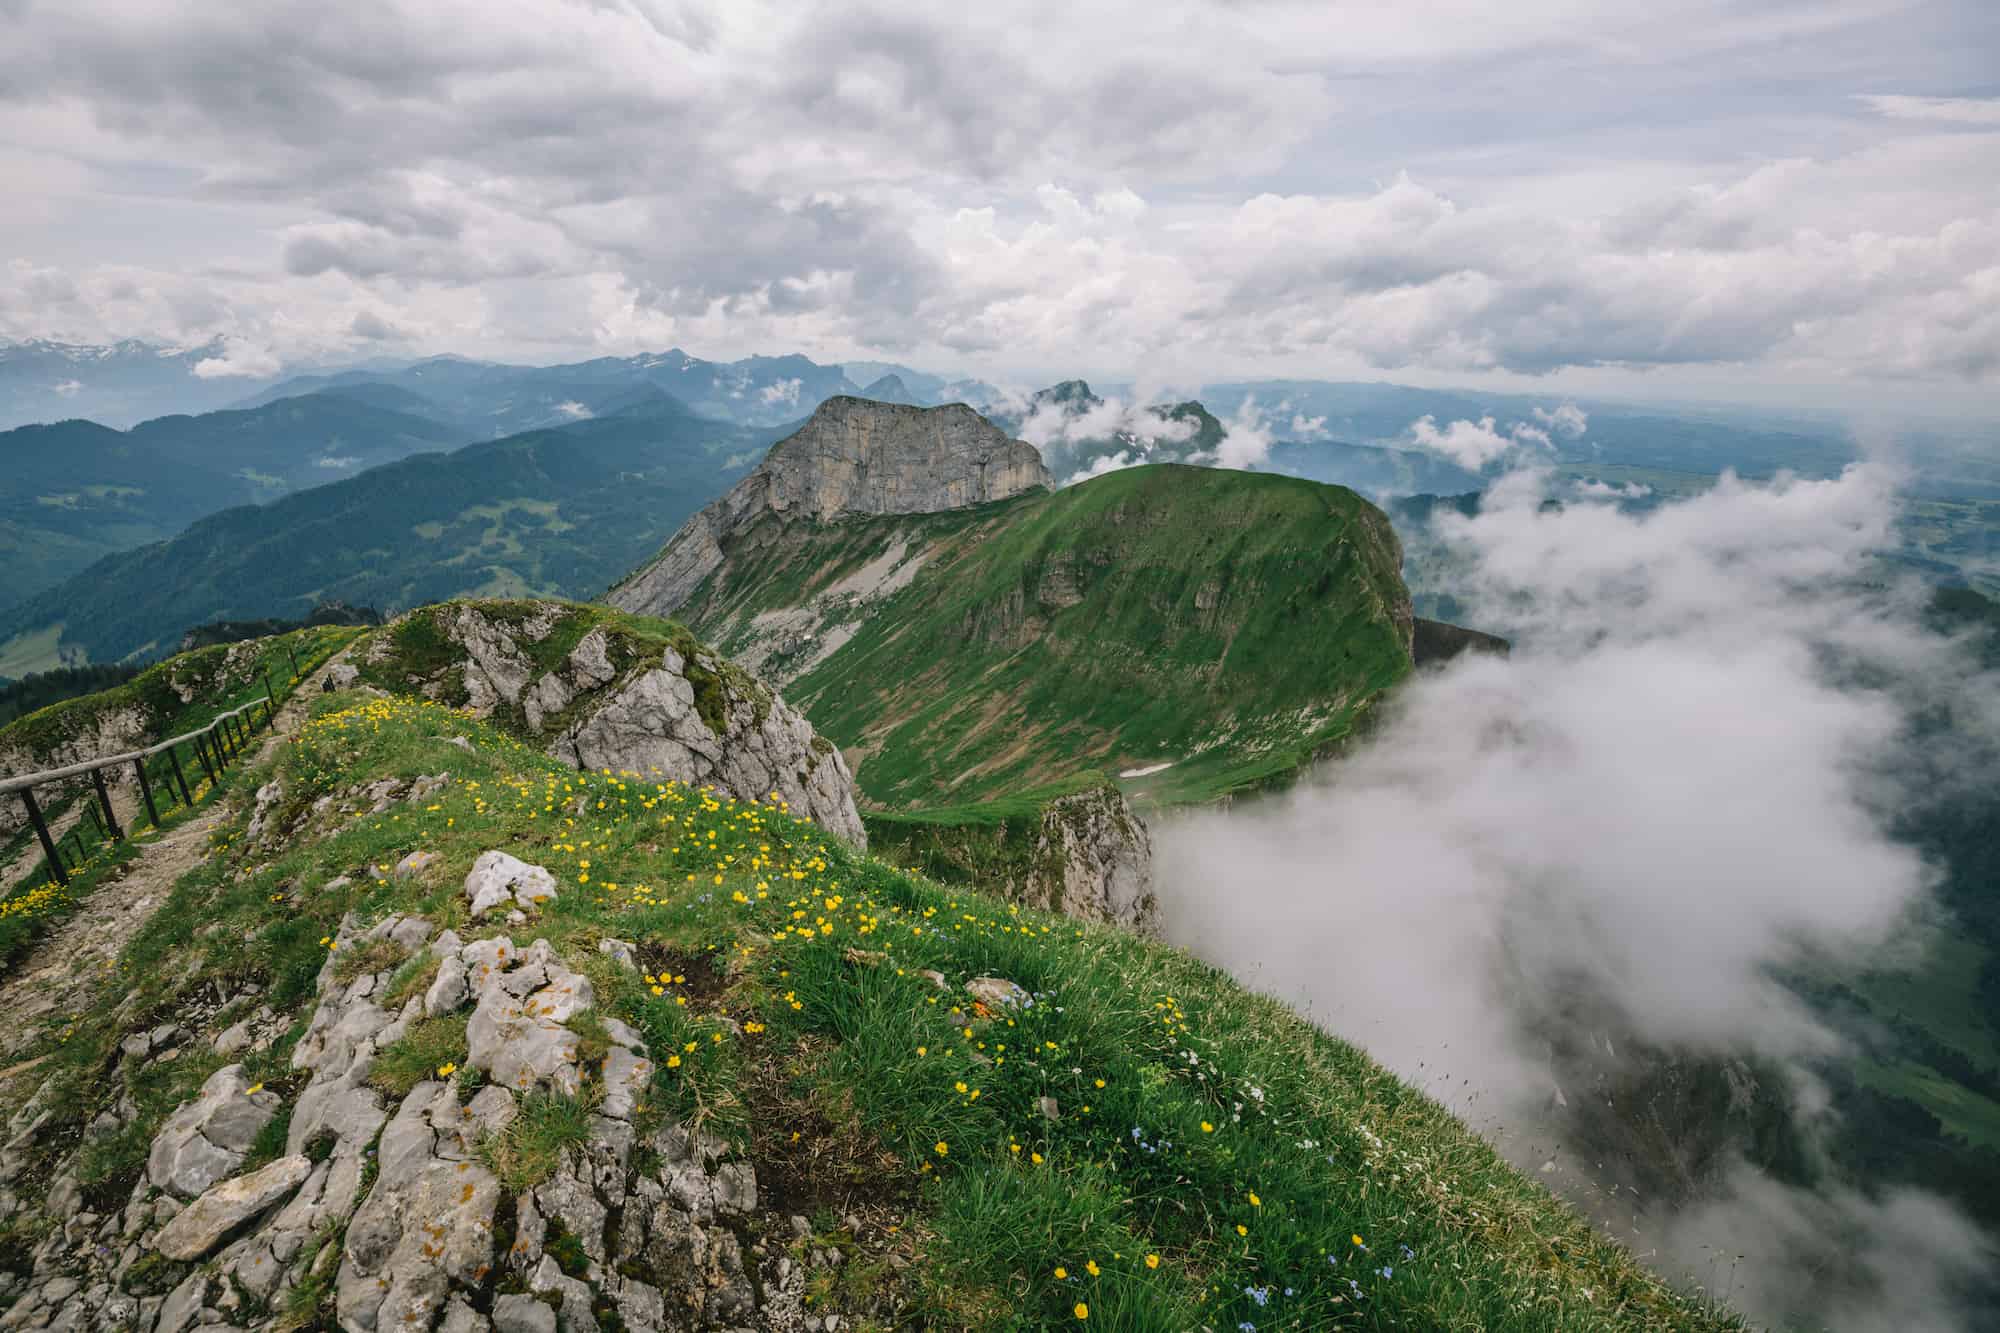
{"points": [[600, 697], [853, 456]]}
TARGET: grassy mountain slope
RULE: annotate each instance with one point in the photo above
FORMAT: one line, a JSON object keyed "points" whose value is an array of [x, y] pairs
{"points": [[1144, 1146], [560, 511], [1221, 625], [75, 491]]}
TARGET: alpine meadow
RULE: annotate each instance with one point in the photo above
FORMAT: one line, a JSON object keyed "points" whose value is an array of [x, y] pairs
{"points": [[1193, 668]]}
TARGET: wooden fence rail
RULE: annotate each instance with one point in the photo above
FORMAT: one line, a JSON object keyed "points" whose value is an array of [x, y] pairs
{"points": [[214, 747]]}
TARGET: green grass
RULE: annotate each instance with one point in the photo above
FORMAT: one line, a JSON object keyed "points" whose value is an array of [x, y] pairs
{"points": [[37, 650], [1940, 995], [845, 1074], [1234, 623], [433, 1048], [1964, 1113], [531, 1146]]}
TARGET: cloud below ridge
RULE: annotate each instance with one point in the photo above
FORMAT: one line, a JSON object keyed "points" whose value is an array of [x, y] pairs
{"points": [[1671, 790]]}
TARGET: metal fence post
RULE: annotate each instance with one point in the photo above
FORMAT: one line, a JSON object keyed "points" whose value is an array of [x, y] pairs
{"points": [[202, 754], [110, 815], [146, 790], [56, 869]]}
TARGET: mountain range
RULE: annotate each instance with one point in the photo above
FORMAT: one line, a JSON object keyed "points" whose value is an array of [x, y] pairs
{"points": [[565, 510], [74, 491]]}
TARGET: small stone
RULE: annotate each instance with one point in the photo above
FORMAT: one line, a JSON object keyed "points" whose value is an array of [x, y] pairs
{"points": [[996, 992], [415, 864], [622, 952], [1047, 1106], [234, 1038], [497, 877]]}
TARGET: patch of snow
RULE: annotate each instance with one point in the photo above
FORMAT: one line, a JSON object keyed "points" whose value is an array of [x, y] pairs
{"points": [[1148, 770]]}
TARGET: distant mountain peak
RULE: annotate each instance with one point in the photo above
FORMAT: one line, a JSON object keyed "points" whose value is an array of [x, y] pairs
{"points": [[1069, 393], [852, 456], [889, 389]]}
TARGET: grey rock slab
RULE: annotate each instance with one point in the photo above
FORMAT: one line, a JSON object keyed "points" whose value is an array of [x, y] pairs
{"points": [[183, 1304], [205, 1139], [573, 1295], [626, 1078], [519, 1049], [200, 1227], [997, 993], [460, 1317], [853, 456], [498, 878], [449, 989], [522, 1314]]}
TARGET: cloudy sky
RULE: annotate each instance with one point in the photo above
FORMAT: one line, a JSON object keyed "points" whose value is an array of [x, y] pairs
{"points": [[1686, 195]]}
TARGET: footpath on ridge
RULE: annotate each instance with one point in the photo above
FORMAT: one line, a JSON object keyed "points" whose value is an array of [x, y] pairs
{"points": [[58, 976]]}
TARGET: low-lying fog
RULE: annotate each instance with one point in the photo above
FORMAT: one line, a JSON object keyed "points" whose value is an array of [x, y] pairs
{"points": [[1680, 781]]}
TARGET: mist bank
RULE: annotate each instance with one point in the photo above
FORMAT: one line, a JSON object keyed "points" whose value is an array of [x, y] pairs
{"points": [[1563, 890]]}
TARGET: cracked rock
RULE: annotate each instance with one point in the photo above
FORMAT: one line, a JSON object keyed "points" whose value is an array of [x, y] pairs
{"points": [[200, 1227]]}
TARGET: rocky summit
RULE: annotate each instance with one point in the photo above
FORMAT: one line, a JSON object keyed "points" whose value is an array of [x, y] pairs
{"points": [[854, 456]]}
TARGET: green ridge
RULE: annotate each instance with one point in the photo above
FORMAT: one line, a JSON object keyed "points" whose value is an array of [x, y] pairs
{"points": [[1232, 624]]}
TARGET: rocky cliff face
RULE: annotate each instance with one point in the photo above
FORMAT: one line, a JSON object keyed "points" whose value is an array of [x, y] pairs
{"points": [[853, 457], [1094, 861], [1086, 855], [600, 695]]}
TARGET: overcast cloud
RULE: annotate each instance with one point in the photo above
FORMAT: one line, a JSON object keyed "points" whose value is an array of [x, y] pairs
{"points": [[1805, 191]]}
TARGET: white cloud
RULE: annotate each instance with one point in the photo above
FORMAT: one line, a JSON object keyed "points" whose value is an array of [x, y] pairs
{"points": [[1474, 444], [239, 358], [1181, 187], [1679, 783], [1565, 419], [1105, 463], [1246, 437], [784, 392], [1308, 428], [1951, 110]]}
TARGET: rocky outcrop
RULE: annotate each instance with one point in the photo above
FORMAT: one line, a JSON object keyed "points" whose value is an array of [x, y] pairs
{"points": [[661, 708], [1086, 855], [1435, 642], [388, 1213], [1094, 861], [853, 456]]}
